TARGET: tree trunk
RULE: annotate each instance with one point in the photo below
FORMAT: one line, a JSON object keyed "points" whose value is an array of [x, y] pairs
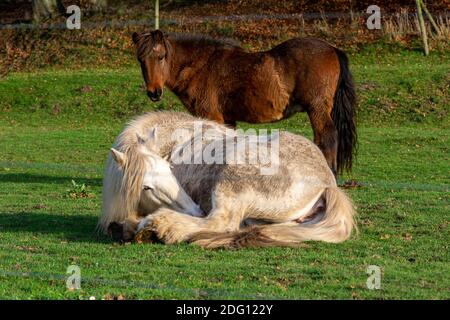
{"points": [[44, 9], [430, 17]]}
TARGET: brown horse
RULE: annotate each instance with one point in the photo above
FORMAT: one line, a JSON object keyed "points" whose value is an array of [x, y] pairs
{"points": [[219, 80]]}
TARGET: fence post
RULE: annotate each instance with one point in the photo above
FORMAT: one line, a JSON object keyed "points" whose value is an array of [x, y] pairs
{"points": [[430, 17], [156, 14], [423, 30]]}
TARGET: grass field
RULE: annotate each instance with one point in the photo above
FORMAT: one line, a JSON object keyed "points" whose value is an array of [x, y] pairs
{"points": [[57, 126]]}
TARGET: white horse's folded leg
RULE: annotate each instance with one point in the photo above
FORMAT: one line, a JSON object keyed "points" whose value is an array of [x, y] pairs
{"points": [[170, 226], [174, 227], [223, 220]]}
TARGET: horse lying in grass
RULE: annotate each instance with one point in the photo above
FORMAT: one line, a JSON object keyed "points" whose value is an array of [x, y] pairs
{"points": [[143, 192]]}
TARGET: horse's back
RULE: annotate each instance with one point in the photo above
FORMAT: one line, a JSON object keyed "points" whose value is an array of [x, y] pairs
{"points": [[307, 47], [292, 158], [304, 157]]}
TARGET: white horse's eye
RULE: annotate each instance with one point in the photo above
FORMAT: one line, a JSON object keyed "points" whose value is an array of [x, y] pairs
{"points": [[146, 188]]}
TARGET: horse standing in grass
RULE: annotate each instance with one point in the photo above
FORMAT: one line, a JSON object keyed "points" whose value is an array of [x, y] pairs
{"points": [[220, 81], [299, 201]]}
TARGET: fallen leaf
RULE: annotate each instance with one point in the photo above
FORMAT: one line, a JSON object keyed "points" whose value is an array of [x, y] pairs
{"points": [[85, 89], [407, 236]]}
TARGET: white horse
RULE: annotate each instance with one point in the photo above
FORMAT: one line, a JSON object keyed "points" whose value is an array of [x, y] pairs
{"points": [[300, 201]]}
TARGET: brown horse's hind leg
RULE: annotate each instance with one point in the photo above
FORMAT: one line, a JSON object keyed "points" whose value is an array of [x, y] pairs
{"points": [[325, 136]]}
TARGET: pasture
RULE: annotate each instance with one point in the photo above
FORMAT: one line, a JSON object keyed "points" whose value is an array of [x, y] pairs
{"points": [[57, 126]]}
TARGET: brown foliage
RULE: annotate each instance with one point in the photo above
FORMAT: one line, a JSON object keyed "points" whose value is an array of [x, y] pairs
{"points": [[105, 38]]}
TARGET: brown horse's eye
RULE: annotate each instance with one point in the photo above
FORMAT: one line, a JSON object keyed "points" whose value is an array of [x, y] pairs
{"points": [[161, 58]]}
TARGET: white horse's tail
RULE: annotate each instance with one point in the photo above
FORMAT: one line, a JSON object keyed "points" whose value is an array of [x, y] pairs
{"points": [[335, 226]]}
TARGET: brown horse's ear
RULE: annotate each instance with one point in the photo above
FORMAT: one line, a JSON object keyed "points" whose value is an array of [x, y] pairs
{"points": [[158, 36], [135, 37]]}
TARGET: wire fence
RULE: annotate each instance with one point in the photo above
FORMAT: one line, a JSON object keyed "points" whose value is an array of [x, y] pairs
{"points": [[150, 22]]}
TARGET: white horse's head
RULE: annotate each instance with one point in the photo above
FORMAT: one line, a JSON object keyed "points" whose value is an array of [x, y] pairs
{"points": [[150, 176]]}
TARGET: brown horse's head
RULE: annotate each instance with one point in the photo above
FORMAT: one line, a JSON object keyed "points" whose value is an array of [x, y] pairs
{"points": [[152, 53]]}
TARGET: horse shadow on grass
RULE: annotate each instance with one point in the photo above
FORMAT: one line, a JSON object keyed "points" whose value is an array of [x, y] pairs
{"points": [[70, 228], [65, 227]]}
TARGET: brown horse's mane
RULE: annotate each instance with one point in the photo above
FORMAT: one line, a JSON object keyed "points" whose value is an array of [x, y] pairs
{"points": [[145, 46], [201, 39]]}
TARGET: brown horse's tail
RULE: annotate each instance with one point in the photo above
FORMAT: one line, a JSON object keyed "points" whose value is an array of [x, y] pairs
{"points": [[344, 114], [335, 226]]}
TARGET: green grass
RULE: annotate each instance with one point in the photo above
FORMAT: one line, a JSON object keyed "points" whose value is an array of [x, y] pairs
{"points": [[57, 126]]}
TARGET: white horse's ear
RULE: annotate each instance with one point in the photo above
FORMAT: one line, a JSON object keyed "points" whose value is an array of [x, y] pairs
{"points": [[119, 157], [140, 139], [153, 135], [151, 139]]}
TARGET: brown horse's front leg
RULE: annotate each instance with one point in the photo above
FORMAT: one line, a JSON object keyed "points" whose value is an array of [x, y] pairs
{"points": [[325, 137]]}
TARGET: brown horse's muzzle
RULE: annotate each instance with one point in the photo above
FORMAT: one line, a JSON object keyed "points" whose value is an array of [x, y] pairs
{"points": [[155, 95]]}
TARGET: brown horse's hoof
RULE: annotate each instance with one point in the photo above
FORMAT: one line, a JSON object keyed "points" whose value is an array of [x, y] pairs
{"points": [[146, 235]]}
